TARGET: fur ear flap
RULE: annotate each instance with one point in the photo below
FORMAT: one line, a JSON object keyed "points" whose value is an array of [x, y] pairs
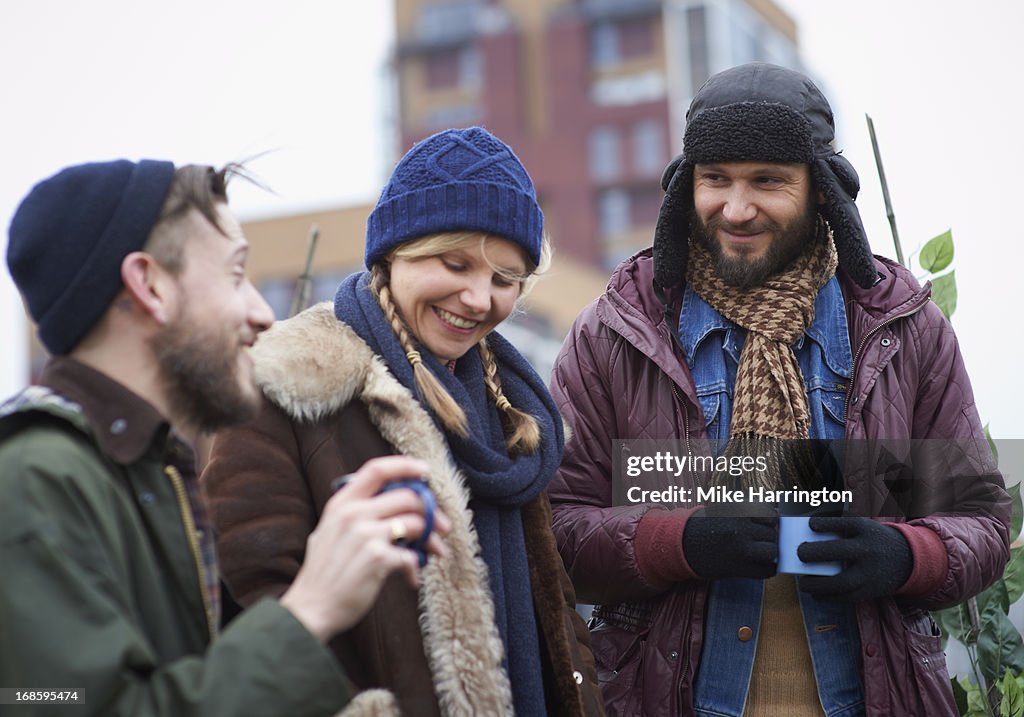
{"points": [[855, 257], [672, 233], [845, 173], [669, 173]]}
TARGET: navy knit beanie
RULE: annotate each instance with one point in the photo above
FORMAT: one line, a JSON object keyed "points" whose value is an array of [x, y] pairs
{"points": [[69, 236], [456, 180]]}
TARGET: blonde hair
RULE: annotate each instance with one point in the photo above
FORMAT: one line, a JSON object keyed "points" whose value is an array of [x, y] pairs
{"points": [[522, 431]]}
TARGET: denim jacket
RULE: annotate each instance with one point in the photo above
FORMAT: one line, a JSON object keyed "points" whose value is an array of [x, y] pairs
{"points": [[712, 345]]}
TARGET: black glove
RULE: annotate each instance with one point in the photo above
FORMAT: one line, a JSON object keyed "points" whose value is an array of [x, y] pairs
{"points": [[731, 547], [876, 560]]}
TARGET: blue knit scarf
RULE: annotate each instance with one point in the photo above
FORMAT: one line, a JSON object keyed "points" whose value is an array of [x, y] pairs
{"points": [[499, 485]]}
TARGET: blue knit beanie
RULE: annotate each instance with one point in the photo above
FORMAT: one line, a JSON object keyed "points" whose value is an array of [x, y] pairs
{"points": [[69, 236], [456, 180]]}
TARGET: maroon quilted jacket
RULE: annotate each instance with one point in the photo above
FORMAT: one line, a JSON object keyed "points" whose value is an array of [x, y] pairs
{"points": [[619, 376]]}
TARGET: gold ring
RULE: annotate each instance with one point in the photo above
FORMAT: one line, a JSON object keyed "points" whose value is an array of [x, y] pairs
{"points": [[398, 530]]}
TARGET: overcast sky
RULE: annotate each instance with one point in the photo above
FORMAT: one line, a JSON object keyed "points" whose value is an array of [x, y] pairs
{"points": [[211, 82]]}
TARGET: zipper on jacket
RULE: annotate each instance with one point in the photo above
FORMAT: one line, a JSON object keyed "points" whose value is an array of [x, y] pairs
{"points": [[190, 531], [863, 343], [686, 421], [665, 327]]}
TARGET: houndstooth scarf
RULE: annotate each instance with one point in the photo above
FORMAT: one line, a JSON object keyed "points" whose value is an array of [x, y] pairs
{"points": [[770, 401]]}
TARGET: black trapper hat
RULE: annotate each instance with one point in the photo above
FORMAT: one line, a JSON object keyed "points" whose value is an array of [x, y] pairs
{"points": [[769, 113]]}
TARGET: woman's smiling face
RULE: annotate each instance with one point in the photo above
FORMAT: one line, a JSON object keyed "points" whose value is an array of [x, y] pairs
{"points": [[453, 299]]}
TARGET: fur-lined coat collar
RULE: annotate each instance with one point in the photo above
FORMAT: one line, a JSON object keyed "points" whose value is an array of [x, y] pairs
{"points": [[311, 366]]}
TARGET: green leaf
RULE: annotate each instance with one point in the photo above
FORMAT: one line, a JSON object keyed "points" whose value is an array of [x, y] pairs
{"points": [[1016, 511], [944, 292], [999, 646], [976, 706], [1013, 576], [937, 254], [991, 443], [975, 703], [1012, 703], [954, 622], [960, 695], [995, 594]]}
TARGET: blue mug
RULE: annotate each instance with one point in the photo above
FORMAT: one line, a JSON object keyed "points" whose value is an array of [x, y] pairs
{"points": [[794, 530], [419, 487]]}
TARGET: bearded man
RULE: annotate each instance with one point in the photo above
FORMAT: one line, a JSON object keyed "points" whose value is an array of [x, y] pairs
{"points": [[760, 318], [136, 276]]}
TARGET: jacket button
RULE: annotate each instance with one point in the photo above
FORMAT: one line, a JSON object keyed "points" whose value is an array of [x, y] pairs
{"points": [[870, 650], [578, 676], [744, 633], [119, 426], [147, 498], [674, 655], [886, 341]]}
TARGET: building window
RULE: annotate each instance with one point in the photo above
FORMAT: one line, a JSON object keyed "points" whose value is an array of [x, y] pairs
{"points": [[278, 292], [439, 21], [648, 147], [613, 212], [644, 205], [612, 43], [626, 220], [605, 153], [621, 210], [697, 34], [442, 70], [604, 45], [470, 67], [636, 38], [451, 69], [745, 37], [459, 115]]}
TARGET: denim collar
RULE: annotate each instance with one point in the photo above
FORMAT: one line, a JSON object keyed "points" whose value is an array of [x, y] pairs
{"points": [[698, 321]]}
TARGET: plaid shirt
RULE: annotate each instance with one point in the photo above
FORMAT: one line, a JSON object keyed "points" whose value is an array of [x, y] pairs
{"points": [[181, 456]]}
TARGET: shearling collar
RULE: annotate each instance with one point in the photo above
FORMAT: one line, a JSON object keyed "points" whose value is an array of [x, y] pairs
{"points": [[312, 366]]}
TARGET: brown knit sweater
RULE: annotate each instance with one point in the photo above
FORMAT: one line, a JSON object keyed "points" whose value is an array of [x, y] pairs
{"points": [[783, 680]]}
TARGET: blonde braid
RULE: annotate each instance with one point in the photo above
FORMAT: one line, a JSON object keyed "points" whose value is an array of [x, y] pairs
{"points": [[521, 429], [434, 394]]}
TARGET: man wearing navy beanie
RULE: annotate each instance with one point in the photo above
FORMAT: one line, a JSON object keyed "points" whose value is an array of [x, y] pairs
{"points": [[135, 274], [69, 236]]}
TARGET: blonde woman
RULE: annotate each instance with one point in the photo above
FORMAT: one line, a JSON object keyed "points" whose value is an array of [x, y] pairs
{"points": [[406, 361]]}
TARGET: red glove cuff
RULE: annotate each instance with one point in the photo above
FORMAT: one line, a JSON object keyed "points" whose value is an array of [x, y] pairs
{"points": [[658, 545], [930, 559]]}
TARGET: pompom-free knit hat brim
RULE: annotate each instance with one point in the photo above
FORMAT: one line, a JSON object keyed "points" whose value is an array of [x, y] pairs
{"points": [[69, 236], [453, 181], [489, 208]]}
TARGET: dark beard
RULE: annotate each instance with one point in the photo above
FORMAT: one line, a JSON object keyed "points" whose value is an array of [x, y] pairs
{"points": [[789, 243], [199, 371]]}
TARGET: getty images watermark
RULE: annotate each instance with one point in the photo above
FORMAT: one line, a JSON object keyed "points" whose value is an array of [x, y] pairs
{"points": [[752, 472], [876, 478]]}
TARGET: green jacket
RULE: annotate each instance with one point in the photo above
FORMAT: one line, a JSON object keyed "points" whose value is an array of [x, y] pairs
{"points": [[101, 588]]}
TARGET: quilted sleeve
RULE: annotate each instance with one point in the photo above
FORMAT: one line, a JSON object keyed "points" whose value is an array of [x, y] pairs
{"points": [[597, 541], [977, 542]]}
